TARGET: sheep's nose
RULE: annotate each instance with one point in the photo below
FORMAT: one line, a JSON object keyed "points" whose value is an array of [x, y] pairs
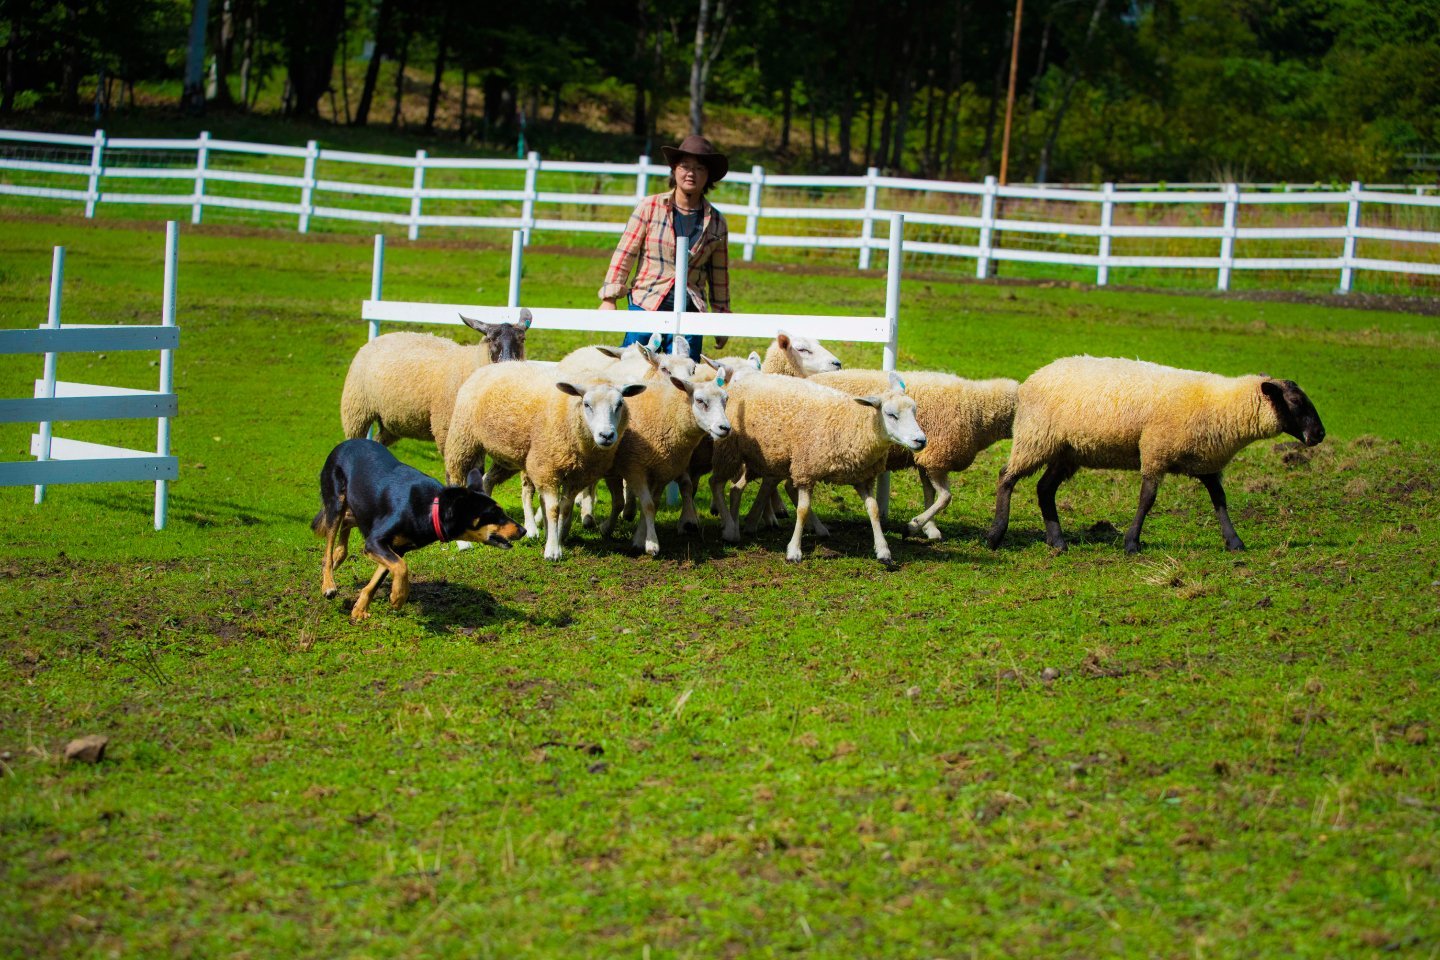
{"points": [[835, 364], [606, 438], [920, 443], [723, 429]]}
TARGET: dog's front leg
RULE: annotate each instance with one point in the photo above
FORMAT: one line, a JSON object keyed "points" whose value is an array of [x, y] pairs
{"points": [[361, 610]]}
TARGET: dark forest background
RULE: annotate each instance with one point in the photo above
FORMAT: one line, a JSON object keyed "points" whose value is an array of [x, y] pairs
{"points": [[1105, 89]]}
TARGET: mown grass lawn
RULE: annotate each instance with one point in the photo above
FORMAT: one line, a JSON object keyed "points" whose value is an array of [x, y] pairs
{"points": [[715, 753]]}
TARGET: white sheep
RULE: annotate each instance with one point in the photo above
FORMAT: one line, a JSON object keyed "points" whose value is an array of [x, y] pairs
{"points": [[665, 426], [564, 436], [407, 382], [798, 356], [960, 418], [1120, 414], [791, 429]]}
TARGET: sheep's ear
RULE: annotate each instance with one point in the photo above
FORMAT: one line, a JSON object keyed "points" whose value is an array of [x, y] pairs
{"points": [[485, 329], [631, 389], [680, 347], [723, 375], [655, 341], [614, 353], [896, 383], [649, 355], [783, 340], [875, 402], [569, 388], [756, 359], [475, 480], [526, 318], [707, 361], [685, 385]]}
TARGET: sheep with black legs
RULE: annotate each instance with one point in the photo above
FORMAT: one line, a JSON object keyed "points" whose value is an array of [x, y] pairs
{"points": [[563, 435], [794, 430], [960, 418], [407, 382], [1117, 414]]}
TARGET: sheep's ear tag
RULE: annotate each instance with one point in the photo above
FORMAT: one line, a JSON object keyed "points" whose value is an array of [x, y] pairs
{"points": [[655, 341], [900, 383], [525, 319], [720, 380], [755, 359]]}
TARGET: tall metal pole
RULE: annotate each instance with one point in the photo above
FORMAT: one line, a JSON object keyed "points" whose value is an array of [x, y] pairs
{"points": [[1010, 96]]}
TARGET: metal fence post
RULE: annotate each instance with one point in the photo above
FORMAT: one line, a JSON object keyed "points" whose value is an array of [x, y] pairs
{"points": [[987, 228], [1227, 241], [641, 176], [52, 322], [867, 227], [307, 191], [1107, 213], [97, 170], [1352, 223], [892, 317], [517, 265], [167, 365], [202, 160], [377, 279], [417, 185], [527, 210], [682, 290], [752, 220]]}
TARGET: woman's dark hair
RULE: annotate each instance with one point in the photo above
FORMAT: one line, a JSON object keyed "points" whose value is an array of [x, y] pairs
{"points": [[703, 190]]}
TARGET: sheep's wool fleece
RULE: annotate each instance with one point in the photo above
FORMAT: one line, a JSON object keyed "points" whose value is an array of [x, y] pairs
{"points": [[960, 417], [778, 362], [1121, 414], [661, 436], [408, 381], [514, 412], [788, 427]]}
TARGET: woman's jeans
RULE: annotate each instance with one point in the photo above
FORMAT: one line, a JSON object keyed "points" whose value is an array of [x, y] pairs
{"points": [[665, 339]]}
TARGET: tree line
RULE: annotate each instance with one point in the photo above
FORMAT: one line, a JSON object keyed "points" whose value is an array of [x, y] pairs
{"points": [[1104, 89]]}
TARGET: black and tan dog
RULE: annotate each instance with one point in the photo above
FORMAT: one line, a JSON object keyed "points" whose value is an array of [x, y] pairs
{"points": [[398, 509]]}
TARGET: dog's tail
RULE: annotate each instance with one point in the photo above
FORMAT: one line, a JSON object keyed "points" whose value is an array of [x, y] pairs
{"points": [[327, 521]]}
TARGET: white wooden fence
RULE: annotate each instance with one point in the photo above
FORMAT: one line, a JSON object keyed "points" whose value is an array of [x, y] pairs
{"points": [[882, 330], [73, 461], [323, 197]]}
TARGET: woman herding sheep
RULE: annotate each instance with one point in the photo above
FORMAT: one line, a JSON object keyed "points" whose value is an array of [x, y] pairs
{"points": [[649, 239]]}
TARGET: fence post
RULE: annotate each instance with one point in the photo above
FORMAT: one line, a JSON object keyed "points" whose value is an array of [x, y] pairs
{"points": [[682, 290], [167, 366], [1227, 241], [987, 227], [1352, 223], [892, 317], [867, 227], [52, 322], [97, 170], [527, 210], [752, 220], [307, 191], [641, 176], [377, 279], [517, 265], [417, 185], [1107, 214], [202, 160]]}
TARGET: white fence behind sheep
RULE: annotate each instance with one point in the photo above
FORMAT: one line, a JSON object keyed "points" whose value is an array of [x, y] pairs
{"points": [[344, 194]]}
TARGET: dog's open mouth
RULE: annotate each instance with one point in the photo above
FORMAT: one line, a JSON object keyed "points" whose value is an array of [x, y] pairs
{"points": [[495, 540]]}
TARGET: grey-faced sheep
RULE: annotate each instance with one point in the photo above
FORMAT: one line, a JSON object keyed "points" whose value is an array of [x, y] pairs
{"points": [[1131, 415], [791, 429], [564, 436], [960, 418], [407, 382]]}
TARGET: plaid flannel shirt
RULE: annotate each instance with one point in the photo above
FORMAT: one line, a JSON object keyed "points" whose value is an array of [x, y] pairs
{"points": [[650, 238]]}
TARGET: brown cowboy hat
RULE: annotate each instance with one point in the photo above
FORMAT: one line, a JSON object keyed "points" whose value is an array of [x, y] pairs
{"points": [[703, 150]]}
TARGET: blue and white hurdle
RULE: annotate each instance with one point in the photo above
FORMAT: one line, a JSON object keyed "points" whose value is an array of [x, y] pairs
{"points": [[59, 460], [883, 330]]}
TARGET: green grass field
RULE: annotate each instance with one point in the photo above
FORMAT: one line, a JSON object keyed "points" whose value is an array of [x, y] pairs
{"points": [[1185, 753]]}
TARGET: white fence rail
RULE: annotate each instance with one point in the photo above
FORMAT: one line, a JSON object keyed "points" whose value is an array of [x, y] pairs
{"points": [[324, 185], [59, 460]]}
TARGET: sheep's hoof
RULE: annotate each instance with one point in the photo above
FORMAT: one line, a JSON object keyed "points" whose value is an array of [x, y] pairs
{"points": [[932, 532], [1132, 546], [689, 527], [994, 540], [1234, 546], [730, 536], [888, 563], [793, 557], [653, 549]]}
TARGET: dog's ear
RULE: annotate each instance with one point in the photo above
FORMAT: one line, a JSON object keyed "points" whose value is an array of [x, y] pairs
{"points": [[475, 480]]}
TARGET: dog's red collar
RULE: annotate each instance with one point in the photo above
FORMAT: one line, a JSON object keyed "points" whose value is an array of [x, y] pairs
{"points": [[435, 519]]}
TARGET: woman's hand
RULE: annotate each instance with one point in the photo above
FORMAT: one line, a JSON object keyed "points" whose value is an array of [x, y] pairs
{"points": [[607, 304]]}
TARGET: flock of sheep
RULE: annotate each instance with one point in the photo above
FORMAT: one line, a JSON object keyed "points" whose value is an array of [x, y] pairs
{"points": [[639, 420]]}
